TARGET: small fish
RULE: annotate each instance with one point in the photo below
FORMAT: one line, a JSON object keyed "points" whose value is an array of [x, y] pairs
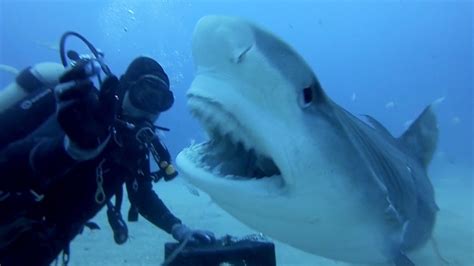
{"points": [[48, 45], [131, 12], [455, 120], [125, 29], [439, 100], [353, 97], [390, 105]]}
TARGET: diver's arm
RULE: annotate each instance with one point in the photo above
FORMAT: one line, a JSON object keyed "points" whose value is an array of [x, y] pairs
{"points": [[15, 174], [149, 205], [162, 150], [167, 170], [49, 159], [33, 163]]}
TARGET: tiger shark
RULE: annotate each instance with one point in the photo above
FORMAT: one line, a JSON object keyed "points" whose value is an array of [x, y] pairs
{"points": [[288, 161]]}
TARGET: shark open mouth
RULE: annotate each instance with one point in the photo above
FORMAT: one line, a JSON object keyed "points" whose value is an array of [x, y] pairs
{"points": [[229, 153]]}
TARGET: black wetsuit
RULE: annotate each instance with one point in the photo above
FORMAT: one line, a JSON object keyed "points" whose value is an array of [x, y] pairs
{"points": [[72, 194]]}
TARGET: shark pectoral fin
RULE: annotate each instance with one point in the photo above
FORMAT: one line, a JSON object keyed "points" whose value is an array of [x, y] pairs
{"points": [[422, 136]]}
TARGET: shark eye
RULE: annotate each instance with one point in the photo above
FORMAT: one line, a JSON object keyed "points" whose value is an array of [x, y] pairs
{"points": [[306, 97]]}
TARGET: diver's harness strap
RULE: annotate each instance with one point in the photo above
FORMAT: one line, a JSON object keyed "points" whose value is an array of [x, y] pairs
{"points": [[114, 215], [15, 218], [145, 136], [30, 196]]}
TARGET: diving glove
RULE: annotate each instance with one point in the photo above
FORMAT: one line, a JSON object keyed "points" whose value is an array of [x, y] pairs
{"points": [[85, 114], [181, 232]]}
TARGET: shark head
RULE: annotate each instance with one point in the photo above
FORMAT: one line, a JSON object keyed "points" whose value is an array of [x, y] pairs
{"points": [[279, 156]]}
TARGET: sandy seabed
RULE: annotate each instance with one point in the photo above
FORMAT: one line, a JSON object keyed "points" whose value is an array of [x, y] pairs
{"points": [[454, 234]]}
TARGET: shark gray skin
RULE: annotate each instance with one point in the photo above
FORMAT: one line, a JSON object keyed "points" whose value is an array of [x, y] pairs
{"points": [[285, 159]]}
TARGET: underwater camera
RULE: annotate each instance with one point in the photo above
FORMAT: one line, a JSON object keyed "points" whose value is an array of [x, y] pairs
{"points": [[251, 250]]}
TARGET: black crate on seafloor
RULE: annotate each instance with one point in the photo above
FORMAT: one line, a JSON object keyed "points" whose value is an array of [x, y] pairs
{"points": [[241, 253]]}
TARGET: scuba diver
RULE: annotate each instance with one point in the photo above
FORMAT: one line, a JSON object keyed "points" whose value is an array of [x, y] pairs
{"points": [[58, 173]]}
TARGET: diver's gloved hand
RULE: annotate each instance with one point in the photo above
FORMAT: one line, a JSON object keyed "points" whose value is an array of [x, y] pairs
{"points": [[84, 113], [181, 232], [167, 171]]}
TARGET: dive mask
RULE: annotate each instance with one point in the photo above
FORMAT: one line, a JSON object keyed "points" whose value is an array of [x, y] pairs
{"points": [[151, 94]]}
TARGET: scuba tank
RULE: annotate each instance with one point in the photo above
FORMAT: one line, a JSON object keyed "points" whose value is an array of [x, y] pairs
{"points": [[28, 101], [27, 81]]}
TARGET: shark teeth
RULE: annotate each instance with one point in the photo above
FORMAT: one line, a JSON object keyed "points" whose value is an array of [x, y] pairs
{"points": [[218, 123], [229, 153]]}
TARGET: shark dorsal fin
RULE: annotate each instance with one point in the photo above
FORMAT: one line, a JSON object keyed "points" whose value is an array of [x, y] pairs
{"points": [[422, 136]]}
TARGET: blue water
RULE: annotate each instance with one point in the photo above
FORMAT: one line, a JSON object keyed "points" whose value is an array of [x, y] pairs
{"points": [[385, 58], [395, 51]]}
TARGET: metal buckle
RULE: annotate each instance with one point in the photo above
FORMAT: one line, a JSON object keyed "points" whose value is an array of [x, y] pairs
{"points": [[145, 135]]}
